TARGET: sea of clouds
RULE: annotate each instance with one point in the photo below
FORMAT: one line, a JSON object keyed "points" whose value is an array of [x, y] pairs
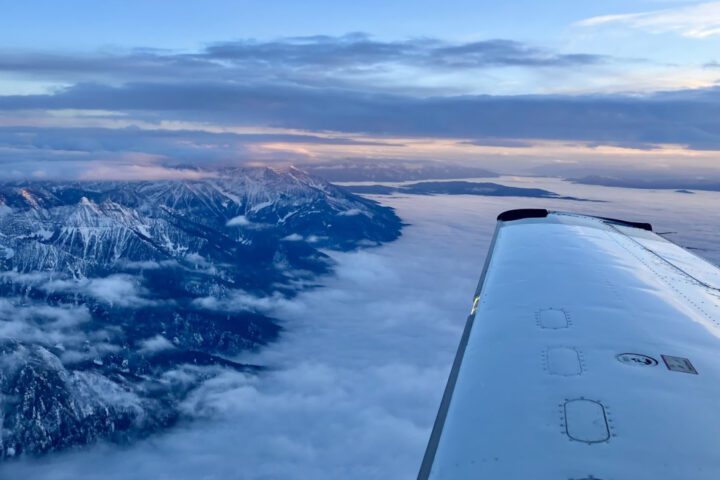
{"points": [[357, 376]]}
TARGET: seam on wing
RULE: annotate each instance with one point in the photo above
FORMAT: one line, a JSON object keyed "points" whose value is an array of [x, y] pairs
{"points": [[662, 277], [665, 260]]}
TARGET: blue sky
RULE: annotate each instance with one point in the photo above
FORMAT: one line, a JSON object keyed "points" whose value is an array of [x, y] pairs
{"points": [[188, 24], [514, 86]]}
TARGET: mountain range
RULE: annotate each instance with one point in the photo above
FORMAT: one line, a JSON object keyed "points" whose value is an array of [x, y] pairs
{"points": [[117, 299]]}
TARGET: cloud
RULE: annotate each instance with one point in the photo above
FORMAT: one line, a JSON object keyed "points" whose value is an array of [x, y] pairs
{"points": [[154, 344], [508, 53], [26, 321], [305, 59], [67, 327], [700, 20], [132, 114], [116, 290], [241, 301], [178, 144], [360, 51], [677, 117], [129, 171], [130, 153], [355, 381], [135, 114]]}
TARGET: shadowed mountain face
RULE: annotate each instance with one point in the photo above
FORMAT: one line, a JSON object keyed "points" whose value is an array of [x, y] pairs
{"points": [[119, 298]]}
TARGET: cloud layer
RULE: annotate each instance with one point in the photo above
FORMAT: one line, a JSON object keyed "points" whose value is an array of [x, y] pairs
{"points": [[299, 57], [700, 20], [683, 117], [308, 98]]}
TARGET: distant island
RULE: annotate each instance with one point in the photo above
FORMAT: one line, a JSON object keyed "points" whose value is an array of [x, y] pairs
{"points": [[680, 184], [457, 188]]}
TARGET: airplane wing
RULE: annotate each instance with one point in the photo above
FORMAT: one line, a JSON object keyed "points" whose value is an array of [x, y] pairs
{"points": [[592, 351]]}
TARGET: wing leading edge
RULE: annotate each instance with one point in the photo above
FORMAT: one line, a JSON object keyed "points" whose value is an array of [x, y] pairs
{"points": [[592, 351]]}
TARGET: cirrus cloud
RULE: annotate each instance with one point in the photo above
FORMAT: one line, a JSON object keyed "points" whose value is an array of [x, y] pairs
{"points": [[700, 20]]}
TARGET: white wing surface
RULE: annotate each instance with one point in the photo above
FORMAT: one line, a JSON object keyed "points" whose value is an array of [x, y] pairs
{"points": [[592, 352]]}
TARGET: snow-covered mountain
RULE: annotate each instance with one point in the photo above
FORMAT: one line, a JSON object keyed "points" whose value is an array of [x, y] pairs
{"points": [[93, 228], [118, 298]]}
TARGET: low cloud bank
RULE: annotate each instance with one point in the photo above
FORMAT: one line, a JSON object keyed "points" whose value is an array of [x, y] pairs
{"points": [[355, 380]]}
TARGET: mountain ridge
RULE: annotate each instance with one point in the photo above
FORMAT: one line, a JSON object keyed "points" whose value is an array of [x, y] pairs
{"points": [[110, 292]]}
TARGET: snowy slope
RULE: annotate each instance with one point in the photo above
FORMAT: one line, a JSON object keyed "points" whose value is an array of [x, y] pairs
{"points": [[119, 298]]}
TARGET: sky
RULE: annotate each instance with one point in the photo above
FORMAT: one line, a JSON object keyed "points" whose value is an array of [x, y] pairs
{"points": [[136, 87]]}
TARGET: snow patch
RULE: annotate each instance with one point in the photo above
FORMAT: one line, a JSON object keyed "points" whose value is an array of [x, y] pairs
{"points": [[350, 213], [260, 206], [44, 234], [5, 210], [7, 252], [143, 230], [239, 221], [293, 237]]}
